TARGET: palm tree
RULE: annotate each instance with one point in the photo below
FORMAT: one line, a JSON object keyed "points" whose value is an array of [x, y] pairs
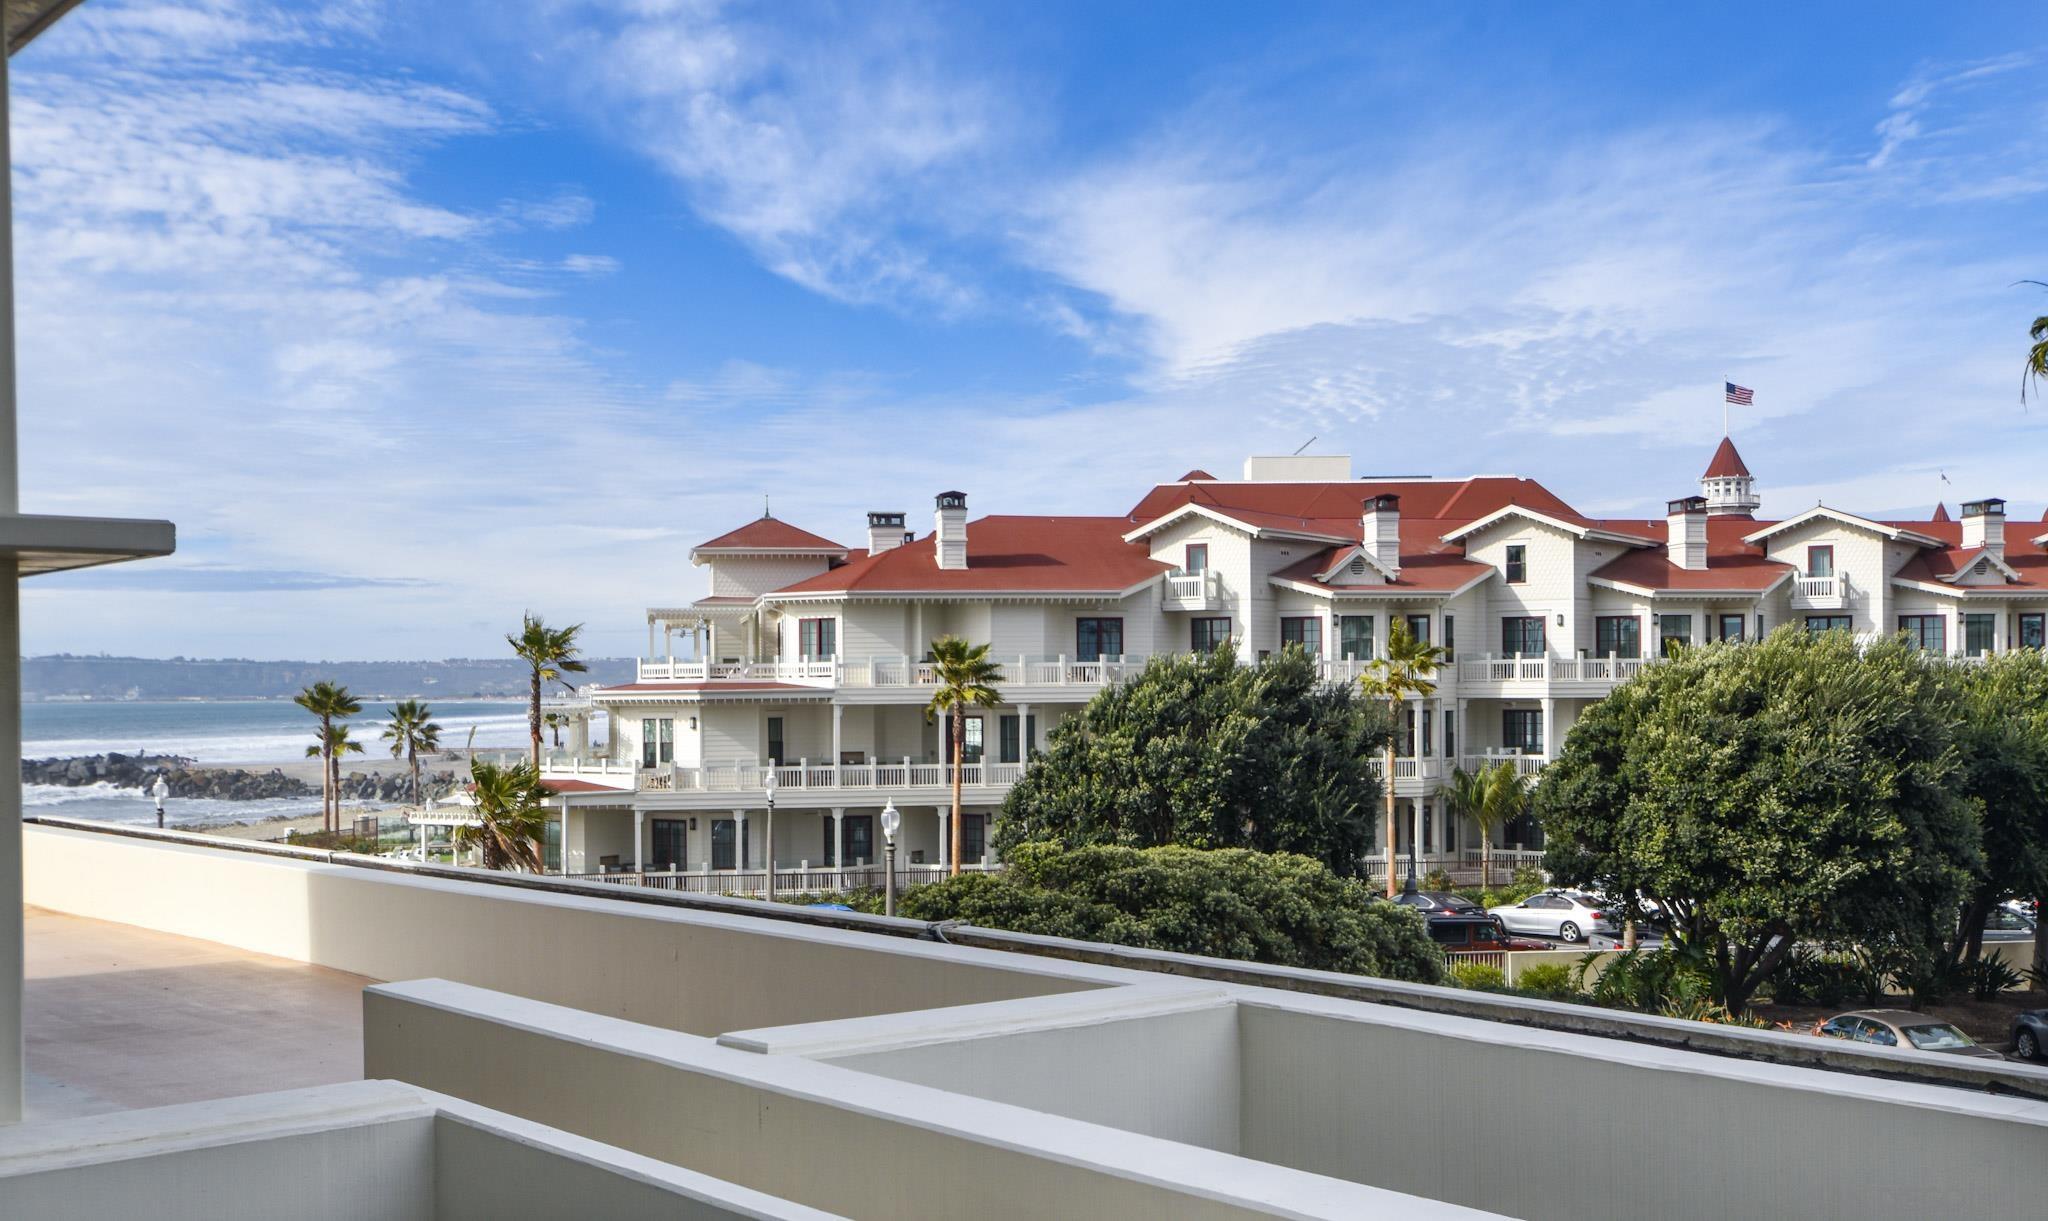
{"points": [[1403, 673], [965, 676], [2037, 356], [554, 721], [412, 733], [551, 653], [1507, 796], [1465, 797], [330, 702], [512, 821], [334, 743]]}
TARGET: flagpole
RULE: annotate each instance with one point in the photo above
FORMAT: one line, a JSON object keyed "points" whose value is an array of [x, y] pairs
{"points": [[1724, 404]]}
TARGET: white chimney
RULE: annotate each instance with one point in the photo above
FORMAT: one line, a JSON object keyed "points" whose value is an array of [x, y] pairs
{"points": [[951, 535], [1685, 532], [1381, 531], [1984, 525], [885, 530]]}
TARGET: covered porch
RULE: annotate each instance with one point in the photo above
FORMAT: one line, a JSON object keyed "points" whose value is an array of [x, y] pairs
{"points": [[712, 850]]}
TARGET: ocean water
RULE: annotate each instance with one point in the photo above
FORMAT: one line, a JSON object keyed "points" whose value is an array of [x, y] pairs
{"points": [[256, 734]]}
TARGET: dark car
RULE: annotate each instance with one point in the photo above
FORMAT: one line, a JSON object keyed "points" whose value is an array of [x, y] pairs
{"points": [[1432, 901], [1473, 932], [2030, 1035]]}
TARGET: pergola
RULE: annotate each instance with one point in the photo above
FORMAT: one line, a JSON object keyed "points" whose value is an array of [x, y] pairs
{"points": [[31, 544]]}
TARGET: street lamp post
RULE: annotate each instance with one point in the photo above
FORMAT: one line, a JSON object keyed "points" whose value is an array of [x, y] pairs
{"points": [[768, 846], [890, 821], [160, 791]]}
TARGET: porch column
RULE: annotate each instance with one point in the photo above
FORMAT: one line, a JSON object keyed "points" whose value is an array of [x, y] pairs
{"points": [[838, 854], [1024, 733], [838, 714], [945, 837], [740, 836], [917, 640], [668, 641], [639, 823], [564, 869], [1549, 728], [650, 637]]}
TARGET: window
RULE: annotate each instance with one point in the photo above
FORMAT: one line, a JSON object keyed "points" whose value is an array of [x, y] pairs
{"points": [[775, 743], [1521, 730], [973, 838], [1354, 637], [1418, 628], [1518, 563], [1979, 630], [1729, 627], [860, 839], [1010, 746], [817, 638], [1522, 636], [1208, 635], [1304, 630], [670, 852], [1428, 747], [1820, 561], [1450, 734], [1450, 637], [1617, 636], [2033, 627], [970, 744], [1197, 558], [1816, 624], [722, 842], [1928, 632], [1673, 632], [1095, 639], [657, 742]]}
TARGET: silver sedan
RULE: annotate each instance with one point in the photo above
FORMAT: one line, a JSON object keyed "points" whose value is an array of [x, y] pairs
{"points": [[1566, 915]]}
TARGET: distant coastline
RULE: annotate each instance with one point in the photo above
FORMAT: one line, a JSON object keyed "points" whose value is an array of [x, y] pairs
{"points": [[65, 678]]}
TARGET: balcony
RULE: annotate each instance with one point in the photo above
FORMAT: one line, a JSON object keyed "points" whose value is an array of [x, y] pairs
{"points": [[794, 783], [1820, 593], [804, 879], [898, 672], [1525, 765], [1191, 591], [1544, 675]]}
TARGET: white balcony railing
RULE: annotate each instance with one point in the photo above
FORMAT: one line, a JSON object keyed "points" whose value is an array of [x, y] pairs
{"points": [[789, 879], [801, 776], [899, 671], [1525, 764], [1601, 671], [1191, 591], [1820, 593]]}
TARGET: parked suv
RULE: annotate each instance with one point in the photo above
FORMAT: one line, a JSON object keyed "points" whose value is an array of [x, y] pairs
{"points": [[1567, 915]]}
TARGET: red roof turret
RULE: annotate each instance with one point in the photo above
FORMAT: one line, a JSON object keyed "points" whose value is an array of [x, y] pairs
{"points": [[1726, 462]]}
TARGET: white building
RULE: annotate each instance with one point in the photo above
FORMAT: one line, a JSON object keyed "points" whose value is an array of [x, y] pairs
{"points": [[805, 661]]}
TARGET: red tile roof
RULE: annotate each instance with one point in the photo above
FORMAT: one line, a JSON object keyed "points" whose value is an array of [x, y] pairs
{"points": [[1197, 474], [772, 534], [1022, 554], [1419, 573], [1334, 508], [1935, 563], [1653, 569], [1941, 512], [1726, 462]]}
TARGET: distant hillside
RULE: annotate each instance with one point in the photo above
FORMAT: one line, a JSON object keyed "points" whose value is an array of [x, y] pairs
{"points": [[154, 678]]}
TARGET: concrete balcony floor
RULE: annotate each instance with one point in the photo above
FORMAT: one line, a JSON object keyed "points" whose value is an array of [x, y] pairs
{"points": [[119, 1017]]}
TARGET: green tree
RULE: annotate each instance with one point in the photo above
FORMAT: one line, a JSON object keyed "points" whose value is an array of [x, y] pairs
{"points": [[512, 816], [1403, 674], [334, 743], [2037, 356], [330, 702], [549, 652], [412, 732], [1207, 752], [966, 677], [1793, 789], [1491, 797], [1276, 908], [2004, 767]]}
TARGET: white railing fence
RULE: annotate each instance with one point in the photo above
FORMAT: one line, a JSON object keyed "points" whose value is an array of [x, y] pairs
{"points": [[789, 880]]}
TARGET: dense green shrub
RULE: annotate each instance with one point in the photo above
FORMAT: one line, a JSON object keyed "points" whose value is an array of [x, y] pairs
{"points": [[1806, 977], [1479, 976], [1547, 979], [1275, 908], [1436, 880]]}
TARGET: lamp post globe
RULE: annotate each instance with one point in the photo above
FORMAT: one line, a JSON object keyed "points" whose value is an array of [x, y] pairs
{"points": [[891, 820]]}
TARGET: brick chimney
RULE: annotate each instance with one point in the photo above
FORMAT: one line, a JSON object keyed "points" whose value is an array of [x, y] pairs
{"points": [[951, 535], [885, 530], [1685, 532], [1380, 531], [1984, 525]]}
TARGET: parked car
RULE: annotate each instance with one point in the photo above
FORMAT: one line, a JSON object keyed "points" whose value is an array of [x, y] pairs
{"points": [[1439, 901], [2006, 924], [1476, 931], [1904, 1029], [1567, 915], [2030, 1035]]}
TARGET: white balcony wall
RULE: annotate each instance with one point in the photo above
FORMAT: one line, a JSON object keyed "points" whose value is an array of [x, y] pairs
{"points": [[1550, 589], [1230, 558], [750, 576], [1859, 555], [873, 629]]}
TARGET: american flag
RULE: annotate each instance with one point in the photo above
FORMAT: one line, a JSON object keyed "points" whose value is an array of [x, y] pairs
{"points": [[1741, 396]]}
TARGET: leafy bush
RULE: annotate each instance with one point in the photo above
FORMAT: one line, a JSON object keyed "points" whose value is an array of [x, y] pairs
{"points": [[1436, 880], [1987, 977], [1529, 876], [1504, 895], [1479, 976], [1809, 978], [1648, 981], [1275, 908], [1548, 979]]}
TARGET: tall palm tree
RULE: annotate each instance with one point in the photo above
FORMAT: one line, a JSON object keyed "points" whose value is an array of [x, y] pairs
{"points": [[2037, 356], [550, 652], [554, 721], [330, 702], [334, 743], [512, 819], [1399, 676], [1465, 796], [965, 677], [1507, 796], [412, 732]]}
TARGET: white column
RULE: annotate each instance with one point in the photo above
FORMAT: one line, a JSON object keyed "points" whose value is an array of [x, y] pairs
{"points": [[839, 840], [1024, 733], [1549, 728], [639, 823], [11, 953], [917, 640], [650, 638], [564, 869], [945, 837], [838, 713], [739, 839]]}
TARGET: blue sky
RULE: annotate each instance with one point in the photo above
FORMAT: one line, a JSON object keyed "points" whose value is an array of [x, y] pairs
{"points": [[413, 320]]}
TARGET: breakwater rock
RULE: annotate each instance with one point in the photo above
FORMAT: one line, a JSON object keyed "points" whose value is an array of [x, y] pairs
{"points": [[140, 771]]}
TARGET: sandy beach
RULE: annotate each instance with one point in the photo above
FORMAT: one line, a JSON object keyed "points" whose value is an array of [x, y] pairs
{"points": [[308, 770]]}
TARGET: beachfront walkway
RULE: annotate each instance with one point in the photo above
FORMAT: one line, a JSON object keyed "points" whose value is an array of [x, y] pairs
{"points": [[119, 1017]]}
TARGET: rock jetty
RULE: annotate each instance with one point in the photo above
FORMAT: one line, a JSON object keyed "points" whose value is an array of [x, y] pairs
{"points": [[186, 779]]}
